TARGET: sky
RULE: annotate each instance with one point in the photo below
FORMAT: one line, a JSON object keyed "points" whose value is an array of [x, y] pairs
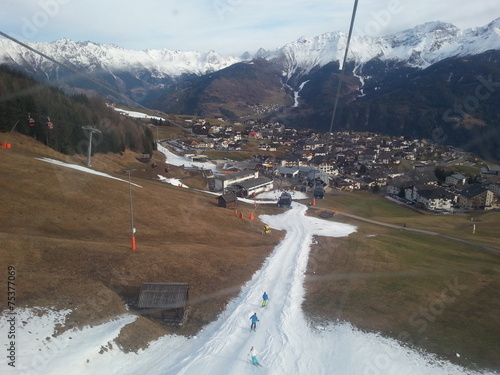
{"points": [[286, 343], [229, 27]]}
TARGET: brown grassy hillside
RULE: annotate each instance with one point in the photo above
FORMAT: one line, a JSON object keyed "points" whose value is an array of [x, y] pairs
{"points": [[429, 292], [68, 235]]}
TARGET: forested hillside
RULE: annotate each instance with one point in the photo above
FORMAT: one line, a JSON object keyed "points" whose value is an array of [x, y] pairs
{"points": [[56, 119]]}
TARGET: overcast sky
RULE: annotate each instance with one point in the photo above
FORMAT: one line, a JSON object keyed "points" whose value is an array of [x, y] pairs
{"points": [[226, 26]]}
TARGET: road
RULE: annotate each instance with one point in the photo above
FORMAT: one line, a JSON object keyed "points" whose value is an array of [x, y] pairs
{"points": [[424, 231]]}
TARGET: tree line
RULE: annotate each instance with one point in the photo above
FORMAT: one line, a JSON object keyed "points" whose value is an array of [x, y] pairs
{"points": [[56, 119]]}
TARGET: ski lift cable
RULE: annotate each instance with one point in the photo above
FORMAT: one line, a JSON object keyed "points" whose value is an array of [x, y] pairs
{"points": [[61, 64], [342, 71], [88, 78]]}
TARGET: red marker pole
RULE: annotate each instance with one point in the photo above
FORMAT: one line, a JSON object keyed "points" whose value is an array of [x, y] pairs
{"points": [[131, 210]]}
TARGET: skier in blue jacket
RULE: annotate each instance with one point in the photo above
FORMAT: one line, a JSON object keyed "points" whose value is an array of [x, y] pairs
{"points": [[265, 298], [254, 320]]}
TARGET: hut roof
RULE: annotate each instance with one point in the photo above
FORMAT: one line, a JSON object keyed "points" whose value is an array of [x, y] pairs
{"points": [[254, 182], [163, 295], [229, 197], [236, 175]]}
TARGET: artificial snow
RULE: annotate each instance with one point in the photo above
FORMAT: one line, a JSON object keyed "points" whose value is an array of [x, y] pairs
{"points": [[172, 181], [179, 161], [286, 342], [136, 114], [83, 169]]}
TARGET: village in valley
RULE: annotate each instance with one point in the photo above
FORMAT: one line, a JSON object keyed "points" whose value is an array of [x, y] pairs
{"points": [[420, 173]]}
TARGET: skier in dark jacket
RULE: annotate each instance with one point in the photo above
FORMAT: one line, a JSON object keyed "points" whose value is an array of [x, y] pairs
{"points": [[254, 320], [265, 298]]}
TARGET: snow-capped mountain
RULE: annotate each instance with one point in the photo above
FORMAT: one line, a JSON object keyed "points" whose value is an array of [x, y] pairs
{"points": [[418, 47], [91, 56], [138, 75], [129, 70], [407, 83]]}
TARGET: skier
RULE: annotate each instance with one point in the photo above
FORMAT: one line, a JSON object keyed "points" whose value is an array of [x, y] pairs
{"points": [[265, 298], [254, 320], [253, 353]]}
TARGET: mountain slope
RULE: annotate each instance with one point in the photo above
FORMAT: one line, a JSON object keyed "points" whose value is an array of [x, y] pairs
{"points": [[56, 119], [407, 83], [132, 73], [68, 234], [241, 90], [141, 74], [418, 47], [74, 254]]}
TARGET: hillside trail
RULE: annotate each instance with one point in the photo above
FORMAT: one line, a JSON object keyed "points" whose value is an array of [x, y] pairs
{"points": [[282, 331], [285, 340], [233, 338]]}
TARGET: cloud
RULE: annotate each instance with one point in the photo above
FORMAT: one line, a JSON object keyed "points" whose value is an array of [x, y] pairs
{"points": [[226, 26]]}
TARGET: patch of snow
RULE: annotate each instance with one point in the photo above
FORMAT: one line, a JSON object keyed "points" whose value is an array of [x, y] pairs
{"points": [[172, 181], [296, 94], [284, 339], [136, 114], [174, 159], [83, 169]]}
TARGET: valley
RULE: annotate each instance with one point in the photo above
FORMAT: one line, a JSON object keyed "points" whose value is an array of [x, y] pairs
{"points": [[124, 170]]}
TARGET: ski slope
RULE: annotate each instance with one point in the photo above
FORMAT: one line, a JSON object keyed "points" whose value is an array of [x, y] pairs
{"points": [[281, 322], [286, 343]]}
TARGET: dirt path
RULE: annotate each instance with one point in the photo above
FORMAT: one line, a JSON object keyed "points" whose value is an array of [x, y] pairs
{"points": [[424, 231]]}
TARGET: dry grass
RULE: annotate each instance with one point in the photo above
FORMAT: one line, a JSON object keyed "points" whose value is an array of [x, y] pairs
{"points": [[68, 235], [391, 281], [378, 208]]}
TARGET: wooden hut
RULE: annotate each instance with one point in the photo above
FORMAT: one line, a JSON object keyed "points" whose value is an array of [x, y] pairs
{"points": [[165, 301], [228, 200]]}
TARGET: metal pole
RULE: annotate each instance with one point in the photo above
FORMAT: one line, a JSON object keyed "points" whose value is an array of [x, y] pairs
{"points": [[89, 151], [91, 130], [132, 229]]}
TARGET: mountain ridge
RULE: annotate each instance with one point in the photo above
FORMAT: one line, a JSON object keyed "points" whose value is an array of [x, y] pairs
{"points": [[419, 47], [296, 84]]}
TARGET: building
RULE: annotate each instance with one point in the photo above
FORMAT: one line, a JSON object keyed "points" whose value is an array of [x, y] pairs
{"points": [[228, 200], [476, 197], [435, 199], [221, 183], [456, 179], [165, 301], [252, 187]]}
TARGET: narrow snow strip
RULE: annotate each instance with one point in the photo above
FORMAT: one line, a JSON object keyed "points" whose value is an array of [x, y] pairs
{"points": [[83, 169], [296, 94], [172, 181], [285, 341], [136, 114], [178, 161]]}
